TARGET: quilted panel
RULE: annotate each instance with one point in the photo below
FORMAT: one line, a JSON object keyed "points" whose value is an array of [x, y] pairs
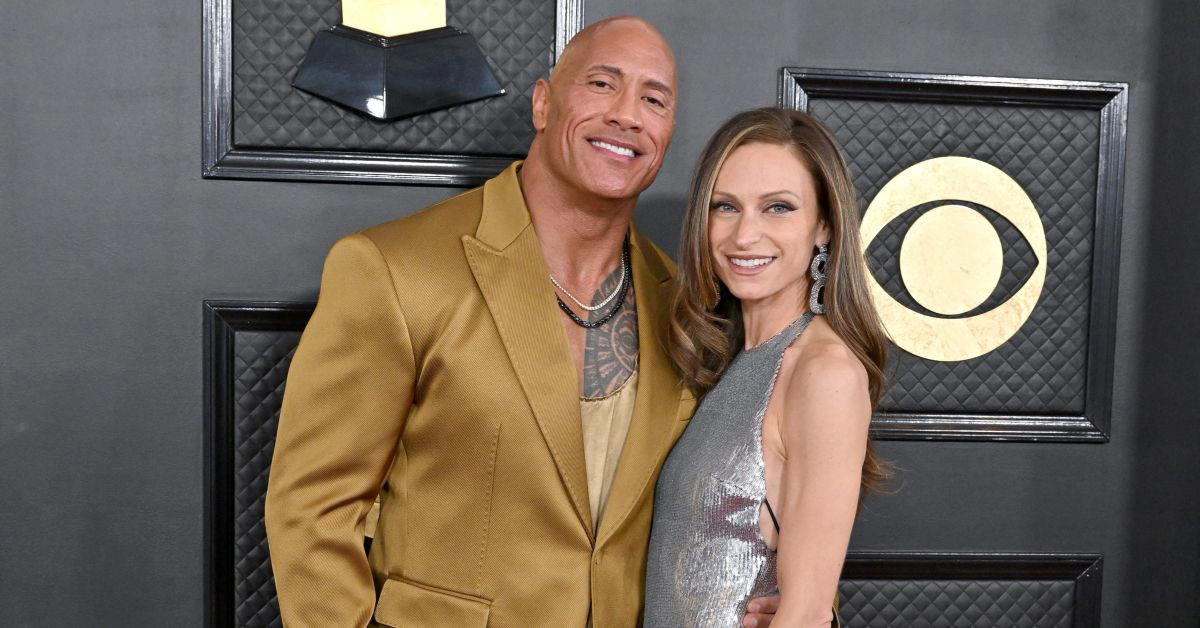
{"points": [[261, 361], [1052, 153], [957, 603], [269, 40]]}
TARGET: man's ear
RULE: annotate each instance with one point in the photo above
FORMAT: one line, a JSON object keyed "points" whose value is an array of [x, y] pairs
{"points": [[540, 104]]}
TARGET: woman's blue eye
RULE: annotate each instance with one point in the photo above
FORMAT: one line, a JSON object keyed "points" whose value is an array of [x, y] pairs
{"points": [[723, 207], [780, 208]]}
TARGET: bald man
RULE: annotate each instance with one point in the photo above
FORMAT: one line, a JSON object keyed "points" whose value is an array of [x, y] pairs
{"points": [[492, 368]]}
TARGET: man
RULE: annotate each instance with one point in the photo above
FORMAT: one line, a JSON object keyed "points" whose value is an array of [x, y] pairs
{"points": [[439, 373]]}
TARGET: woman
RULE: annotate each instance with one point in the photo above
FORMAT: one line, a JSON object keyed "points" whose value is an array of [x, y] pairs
{"points": [[760, 493]]}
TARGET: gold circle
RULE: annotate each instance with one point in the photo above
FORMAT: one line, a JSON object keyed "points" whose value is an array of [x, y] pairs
{"points": [[966, 179], [951, 259]]}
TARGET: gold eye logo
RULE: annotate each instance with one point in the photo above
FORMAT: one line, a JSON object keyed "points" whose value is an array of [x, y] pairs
{"points": [[951, 257]]}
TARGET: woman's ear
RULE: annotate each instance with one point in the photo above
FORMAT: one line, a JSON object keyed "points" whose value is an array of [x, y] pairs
{"points": [[824, 233]]}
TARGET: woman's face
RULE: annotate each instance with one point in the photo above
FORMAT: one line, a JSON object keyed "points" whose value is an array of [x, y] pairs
{"points": [[764, 223]]}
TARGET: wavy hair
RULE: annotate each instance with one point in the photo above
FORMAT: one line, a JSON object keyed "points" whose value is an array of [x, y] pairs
{"points": [[706, 325]]}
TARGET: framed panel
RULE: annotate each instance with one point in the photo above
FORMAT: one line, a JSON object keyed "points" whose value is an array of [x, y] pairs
{"points": [[1063, 143], [257, 126], [248, 348], [927, 589]]}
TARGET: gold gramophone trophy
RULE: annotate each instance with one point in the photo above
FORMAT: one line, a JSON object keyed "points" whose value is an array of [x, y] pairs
{"points": [[394, 58]]}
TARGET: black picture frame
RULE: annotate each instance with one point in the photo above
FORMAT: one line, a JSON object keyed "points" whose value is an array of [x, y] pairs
{"points": [[222, 160], [1086, 570], [797, 86], [222, 321]]}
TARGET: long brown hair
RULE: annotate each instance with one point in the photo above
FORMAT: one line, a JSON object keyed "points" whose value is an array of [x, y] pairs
{"points": [[706, 323]]}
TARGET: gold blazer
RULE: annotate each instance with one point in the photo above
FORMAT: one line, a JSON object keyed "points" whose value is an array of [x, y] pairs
{"points": [[435, 374]]}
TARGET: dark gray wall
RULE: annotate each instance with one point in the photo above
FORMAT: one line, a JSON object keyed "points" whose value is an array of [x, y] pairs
{"points": [[109, 240], [1163, 543]]}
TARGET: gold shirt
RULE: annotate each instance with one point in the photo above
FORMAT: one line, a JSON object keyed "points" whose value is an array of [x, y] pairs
{"points": [[605, 423]]}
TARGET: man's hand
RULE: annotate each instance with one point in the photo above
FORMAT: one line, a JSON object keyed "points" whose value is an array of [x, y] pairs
{"points": [[760, 611]]}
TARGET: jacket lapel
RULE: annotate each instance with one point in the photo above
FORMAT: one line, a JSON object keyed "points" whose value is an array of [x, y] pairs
{"points": [[655, 424], [509, 268]]}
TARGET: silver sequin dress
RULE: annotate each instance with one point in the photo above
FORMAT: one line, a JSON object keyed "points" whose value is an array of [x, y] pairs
{"points": [[707, 554]]}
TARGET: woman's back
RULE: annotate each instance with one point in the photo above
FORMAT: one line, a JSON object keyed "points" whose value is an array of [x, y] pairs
{"points": [[707, 554]]}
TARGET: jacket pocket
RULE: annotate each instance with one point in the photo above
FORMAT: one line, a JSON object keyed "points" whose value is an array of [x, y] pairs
{"points": [[404, 603]]}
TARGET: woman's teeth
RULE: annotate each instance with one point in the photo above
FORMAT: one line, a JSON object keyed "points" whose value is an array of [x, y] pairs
{"points": [[750, 263], [624, 152]]}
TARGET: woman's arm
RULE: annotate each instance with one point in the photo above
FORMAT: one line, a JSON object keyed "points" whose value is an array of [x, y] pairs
{"points": [[823, 425]]}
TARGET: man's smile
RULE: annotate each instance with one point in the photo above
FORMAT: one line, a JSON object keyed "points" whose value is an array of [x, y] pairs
{"points": [[619, 149]]}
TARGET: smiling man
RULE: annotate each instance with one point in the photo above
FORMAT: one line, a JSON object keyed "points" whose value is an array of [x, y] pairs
{"points": [[492, 368]]}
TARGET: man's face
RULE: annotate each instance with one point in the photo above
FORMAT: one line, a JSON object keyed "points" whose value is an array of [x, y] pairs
{"points": [[606, 116]]}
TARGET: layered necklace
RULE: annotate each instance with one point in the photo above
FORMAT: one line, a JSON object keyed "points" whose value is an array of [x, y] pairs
{"points": [[618, 294]]}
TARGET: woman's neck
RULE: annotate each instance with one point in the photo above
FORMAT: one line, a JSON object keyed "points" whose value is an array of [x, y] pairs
{"points": [[763, 318]]}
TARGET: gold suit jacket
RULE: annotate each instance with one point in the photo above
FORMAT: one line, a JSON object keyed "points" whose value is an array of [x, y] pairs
{"points": [[435, 374]]}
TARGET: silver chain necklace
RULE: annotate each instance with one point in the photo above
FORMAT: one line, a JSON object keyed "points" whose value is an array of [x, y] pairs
{"points": [[593, 308]]}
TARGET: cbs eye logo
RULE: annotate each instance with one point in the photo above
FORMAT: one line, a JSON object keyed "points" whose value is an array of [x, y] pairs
{"points": [[951, 258]]}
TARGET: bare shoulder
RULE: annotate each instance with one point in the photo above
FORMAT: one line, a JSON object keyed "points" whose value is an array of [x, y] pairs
{"points": [[824, 383], [821, 359]]}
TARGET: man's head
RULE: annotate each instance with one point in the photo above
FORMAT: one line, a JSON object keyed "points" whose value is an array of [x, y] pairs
{"points": [[605, 117]]}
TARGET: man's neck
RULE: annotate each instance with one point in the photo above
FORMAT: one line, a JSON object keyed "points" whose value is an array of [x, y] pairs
{"points": [[580, 233]]}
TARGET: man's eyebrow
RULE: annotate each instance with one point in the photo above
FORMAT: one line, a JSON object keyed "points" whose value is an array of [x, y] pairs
{"points": [[610, 69], [661, 86], [619, 73]]}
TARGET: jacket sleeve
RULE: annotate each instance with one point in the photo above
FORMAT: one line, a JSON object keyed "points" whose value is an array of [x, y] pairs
{"points": [[348, 393]]}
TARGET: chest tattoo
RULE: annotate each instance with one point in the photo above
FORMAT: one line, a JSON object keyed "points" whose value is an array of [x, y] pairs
{"points": [[610, 351]]}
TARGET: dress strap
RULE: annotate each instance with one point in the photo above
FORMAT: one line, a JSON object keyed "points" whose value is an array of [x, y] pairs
{"points": [[796, 328], [772, 513], [786, 336]]}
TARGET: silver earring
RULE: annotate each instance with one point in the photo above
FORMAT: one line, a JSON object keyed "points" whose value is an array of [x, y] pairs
{"points": [[816, 270]]}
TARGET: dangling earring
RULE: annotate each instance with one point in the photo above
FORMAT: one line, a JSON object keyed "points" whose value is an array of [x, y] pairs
{"points": [[817, 271]]}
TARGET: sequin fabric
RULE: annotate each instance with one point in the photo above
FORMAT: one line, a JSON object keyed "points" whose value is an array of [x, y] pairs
{"points": [[707, 555]]}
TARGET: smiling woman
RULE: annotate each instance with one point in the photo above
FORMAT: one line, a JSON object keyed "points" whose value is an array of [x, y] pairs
{"points": [[762, 237], [759, 494]]}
